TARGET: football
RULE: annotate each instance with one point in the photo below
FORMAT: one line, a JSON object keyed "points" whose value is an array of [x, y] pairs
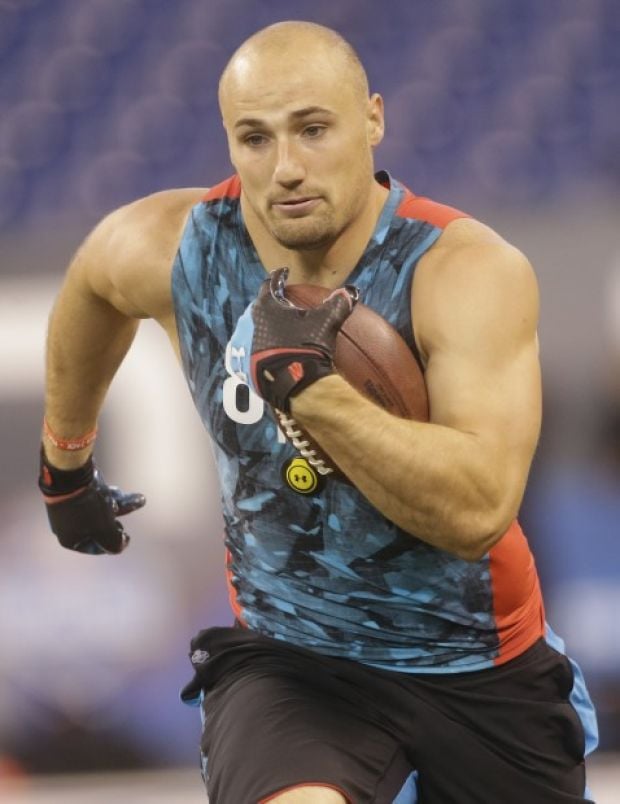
{"points": [[373, 357]]}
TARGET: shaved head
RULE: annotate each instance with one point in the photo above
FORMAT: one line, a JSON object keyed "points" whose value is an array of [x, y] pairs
{"points": [[301, 129], [290, 43]]}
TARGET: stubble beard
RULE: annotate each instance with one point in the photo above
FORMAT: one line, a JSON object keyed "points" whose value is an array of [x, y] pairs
{"points": [[307, 234], [305, 237]]}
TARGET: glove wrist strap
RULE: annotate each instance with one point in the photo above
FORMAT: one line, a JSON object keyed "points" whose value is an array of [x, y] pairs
{"points": [[54, 482], [283, 378]]}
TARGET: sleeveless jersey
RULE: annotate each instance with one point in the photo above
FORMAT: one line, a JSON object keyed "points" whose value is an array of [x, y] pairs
{"points": [[327, 571]]}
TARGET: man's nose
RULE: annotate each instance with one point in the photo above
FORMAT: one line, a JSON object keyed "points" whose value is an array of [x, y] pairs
{"points": [[289, 169]]}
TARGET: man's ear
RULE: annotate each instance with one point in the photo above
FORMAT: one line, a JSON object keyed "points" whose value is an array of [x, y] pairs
{"points": [[376, 119]]}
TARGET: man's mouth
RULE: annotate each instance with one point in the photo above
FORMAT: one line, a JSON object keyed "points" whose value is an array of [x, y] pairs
{"points": [[296, 207], [292, 201]]}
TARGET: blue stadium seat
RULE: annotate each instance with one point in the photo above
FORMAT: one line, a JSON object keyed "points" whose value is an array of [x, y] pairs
{"points": [[34, 133], [158, 127], [11, 30], [511, 168], [12, 191], [423, 115], [112, 179], [76, 78], [110, 27], [190, 72], [457, 56]]}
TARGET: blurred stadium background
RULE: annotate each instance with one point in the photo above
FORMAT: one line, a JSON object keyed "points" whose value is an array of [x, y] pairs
{"points": [[508, 108]]}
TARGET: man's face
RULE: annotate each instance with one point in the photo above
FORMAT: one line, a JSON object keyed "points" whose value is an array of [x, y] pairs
{"points": [[301, 141]]}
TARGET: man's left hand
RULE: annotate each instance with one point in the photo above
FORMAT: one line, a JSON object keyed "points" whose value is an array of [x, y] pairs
{"points": [[280, 349]]}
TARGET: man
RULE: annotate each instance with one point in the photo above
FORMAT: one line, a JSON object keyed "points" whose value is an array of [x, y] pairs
{"points": [[389, 639]]}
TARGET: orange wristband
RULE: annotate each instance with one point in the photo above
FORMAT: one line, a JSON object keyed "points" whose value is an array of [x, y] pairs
{"points": [[70, 444]]}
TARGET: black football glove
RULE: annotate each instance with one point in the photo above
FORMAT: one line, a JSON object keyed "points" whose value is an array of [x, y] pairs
{"points": [[82, 508], [279, 349]]}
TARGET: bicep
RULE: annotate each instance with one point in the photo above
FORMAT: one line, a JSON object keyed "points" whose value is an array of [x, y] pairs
{"points": [[498, 402], [483, 374]]}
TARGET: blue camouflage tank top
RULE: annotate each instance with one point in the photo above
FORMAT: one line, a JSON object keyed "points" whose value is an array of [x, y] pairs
{"points": [[327, 571]]}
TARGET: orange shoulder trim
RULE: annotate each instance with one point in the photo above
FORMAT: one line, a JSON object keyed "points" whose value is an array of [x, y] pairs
{"points": [[414, 206], [229, 188]]}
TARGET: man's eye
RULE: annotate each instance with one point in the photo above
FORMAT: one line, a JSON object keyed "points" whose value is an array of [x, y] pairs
{"points": [[255, 140], [314, 131]]}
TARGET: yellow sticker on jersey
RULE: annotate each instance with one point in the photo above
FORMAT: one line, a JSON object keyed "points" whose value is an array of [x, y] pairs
{"points": [[301, 477]]}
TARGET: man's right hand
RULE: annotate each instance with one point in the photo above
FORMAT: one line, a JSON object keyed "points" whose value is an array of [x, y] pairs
{"points": [[82, 509]]}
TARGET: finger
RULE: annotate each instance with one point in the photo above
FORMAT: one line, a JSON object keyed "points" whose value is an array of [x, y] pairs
{"points": [[126, 503], [337, 307], [114, 543], [349, 292], [121, 544], [277, 283], [89, 548]]}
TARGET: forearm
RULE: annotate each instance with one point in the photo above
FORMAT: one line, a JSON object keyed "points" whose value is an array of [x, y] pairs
{"points": [[435, 482], [87, 341]]}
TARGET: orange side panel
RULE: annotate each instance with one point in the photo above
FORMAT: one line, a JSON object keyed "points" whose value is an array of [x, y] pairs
{"points": [[232, 592], [517, 599]]}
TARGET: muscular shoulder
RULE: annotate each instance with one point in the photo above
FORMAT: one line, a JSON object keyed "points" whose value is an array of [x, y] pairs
{"points": [[128, 257], [472, 274]]}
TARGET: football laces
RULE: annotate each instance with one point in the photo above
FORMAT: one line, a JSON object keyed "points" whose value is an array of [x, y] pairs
{"points": [[295, 436]]}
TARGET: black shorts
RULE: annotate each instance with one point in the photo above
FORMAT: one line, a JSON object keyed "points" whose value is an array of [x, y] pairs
{"points": [[278, 716]]}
